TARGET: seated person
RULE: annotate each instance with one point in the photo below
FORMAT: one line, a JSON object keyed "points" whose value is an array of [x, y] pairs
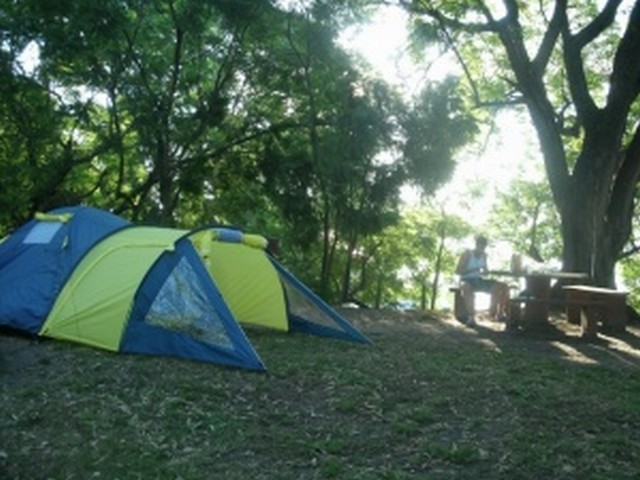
{"points": [[471, 266]]}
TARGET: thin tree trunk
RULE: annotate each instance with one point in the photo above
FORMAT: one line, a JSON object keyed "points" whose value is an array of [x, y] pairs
{"points": [[438, 266]]}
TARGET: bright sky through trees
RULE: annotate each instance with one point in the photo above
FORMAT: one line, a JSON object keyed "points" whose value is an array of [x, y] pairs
{"points": [[383, 43], [486, 167], [483, 168]]}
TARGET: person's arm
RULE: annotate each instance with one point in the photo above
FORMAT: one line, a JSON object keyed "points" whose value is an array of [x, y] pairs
{"points": [[461, 268]]}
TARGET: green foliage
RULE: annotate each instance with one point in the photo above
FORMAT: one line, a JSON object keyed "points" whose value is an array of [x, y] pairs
{"points": [[188, 113], [161, 75], [525, 216], [435, 128], [33, 159], [402, 262], [631, 277]]}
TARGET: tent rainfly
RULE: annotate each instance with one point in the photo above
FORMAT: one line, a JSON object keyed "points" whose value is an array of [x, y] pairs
{"points": [[85, 275]]}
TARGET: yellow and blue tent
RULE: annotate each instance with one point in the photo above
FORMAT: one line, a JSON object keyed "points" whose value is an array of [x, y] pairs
{"points": [[85, 275]]}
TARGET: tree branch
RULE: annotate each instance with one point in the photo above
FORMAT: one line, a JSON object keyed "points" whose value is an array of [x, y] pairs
{"points": [[249, 136], [454, 23], [585, 106], [625, 77], [513, 11], [444, 24], [176, 64], [628, 253], [461, 61], [550, 38], [599, 24]]}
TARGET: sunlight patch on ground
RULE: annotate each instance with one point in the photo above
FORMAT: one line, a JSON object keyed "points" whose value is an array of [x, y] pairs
{"points": [[491, 345], [573, 354], [620, 349]]}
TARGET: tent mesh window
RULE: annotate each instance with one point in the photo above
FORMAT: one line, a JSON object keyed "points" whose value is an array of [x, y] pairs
{"points": [[302, 307], [182, 305]]}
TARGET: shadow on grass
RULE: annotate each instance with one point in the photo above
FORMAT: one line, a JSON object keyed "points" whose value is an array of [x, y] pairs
{"points": [[431, 399], [562, 340], [559, 339]]}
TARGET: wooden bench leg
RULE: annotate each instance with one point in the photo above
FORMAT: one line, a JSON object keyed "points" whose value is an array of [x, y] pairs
{"points": [[589, 321], [573, 314], [615, 316], [459, 307], [515, 314], [610, 312]]}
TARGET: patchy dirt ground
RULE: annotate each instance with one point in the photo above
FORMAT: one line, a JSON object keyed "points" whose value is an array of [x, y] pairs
{"points": [[561, 340], [430, 400]]}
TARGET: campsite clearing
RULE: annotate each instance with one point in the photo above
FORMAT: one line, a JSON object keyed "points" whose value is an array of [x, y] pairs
{"points": [[430, 399]]}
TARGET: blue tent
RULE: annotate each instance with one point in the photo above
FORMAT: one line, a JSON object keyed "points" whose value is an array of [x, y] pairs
{"points": [[36, 260], [84, 275]]}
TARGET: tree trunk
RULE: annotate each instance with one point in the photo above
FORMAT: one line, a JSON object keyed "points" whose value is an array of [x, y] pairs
{"points": [[438, 265], [595, 198], [597, 213], [424, 287], [345, 293], [583, 201], [165, 182], [379, 284], [586, 247]]}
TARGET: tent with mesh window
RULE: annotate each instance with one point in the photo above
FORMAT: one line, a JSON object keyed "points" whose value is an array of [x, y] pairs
{"points": [[85, 275]]}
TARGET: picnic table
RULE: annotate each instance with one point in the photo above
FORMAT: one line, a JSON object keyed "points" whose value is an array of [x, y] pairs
{"points": [[535, 301], [585, 305]]}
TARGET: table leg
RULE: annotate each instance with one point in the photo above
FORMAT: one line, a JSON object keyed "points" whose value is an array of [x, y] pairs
{"points": [[536, 314], [573, 309], [615, 317]]}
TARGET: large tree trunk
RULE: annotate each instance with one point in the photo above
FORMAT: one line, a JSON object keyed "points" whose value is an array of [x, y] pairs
{"points": [[595, 198], [596, 209], [596, 206], [596, 202], [587, 245]]}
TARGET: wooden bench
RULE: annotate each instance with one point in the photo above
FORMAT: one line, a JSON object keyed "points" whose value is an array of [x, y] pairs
{"points": [[585, 305], [516, 305], [604, 306]]}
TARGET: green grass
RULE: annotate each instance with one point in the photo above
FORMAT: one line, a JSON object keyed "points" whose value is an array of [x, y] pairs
{"points": [[417, 405]]}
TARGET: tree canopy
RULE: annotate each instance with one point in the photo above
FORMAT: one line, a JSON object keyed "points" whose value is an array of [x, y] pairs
{"points": [[574, 67], [248, 112], [181, 112]]}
